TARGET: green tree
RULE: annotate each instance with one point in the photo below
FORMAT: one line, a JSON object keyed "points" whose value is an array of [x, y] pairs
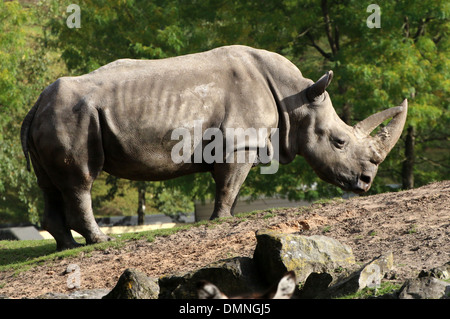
{"points": [[20, 82], [115, 29]]}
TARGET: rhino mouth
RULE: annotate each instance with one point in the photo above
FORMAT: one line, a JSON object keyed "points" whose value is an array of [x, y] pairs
{"points": [[358, 185], [362, 188], [361, 184]]}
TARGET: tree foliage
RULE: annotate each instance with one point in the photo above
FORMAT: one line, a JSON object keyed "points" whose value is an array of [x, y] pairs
{"points": [[20, 81]]}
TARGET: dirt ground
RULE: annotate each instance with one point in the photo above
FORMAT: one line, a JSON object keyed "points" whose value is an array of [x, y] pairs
{"points": [[414, 225]]}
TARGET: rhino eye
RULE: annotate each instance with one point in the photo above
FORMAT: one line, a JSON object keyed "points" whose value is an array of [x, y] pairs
{"points": [[339, 142]]}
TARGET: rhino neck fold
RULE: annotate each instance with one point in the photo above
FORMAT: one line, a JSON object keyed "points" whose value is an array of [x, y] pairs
{"points": [[289, 118], [286, 151]]}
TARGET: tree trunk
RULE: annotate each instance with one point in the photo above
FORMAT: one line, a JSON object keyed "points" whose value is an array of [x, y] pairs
{"points": [[141, 205], [408, 163], [346, 114]]}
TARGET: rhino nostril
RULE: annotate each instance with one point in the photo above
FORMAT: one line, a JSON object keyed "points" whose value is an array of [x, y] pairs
{"points": [[365, 178]]}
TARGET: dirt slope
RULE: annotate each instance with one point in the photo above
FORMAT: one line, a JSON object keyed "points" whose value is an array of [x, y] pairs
{"points": [[414, 225]]}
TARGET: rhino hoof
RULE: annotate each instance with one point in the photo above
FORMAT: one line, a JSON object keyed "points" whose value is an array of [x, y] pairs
{"points": [[66, 246], [99, 239]]}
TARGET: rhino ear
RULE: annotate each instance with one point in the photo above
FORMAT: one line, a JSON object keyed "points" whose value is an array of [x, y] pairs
{"points": [[319, 87]]}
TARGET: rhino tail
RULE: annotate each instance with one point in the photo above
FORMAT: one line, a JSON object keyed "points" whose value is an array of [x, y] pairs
{"points": [[25, 129]]}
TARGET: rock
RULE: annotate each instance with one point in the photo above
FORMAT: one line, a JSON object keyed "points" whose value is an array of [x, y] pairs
{"points": [[428, 285], [369, 275], [425, 288], [134, 284], [77, 294], [276, 253], [233, 276], [372, 273], [315, 285], [442, 272]]}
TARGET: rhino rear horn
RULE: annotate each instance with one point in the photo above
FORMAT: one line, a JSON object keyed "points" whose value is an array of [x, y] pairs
{"points": [[319, 87]]}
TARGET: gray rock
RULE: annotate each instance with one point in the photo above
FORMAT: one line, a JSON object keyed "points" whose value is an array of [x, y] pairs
{"points": [[276, 253], [234, 276], [369, 275], [372, 273], [442, 272], [315, 285], [425, 288], [77, 294], [134, 284]]}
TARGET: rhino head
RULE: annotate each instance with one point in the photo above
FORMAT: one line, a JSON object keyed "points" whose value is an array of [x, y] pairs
{"points": [[343, 155]]}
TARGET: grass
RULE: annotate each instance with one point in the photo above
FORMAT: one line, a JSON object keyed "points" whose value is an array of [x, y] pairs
{"points": [[384, 289], [412, 229], [23, 252], [21, 255], [326, 229]]}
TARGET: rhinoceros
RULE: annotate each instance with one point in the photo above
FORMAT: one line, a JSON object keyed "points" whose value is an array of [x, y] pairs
{"points": [[121, 118]]}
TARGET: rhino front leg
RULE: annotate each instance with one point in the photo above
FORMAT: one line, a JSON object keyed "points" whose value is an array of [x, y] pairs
{"points": [[229, 178]]}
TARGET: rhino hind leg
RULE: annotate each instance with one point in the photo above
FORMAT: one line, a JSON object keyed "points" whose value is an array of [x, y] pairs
{"points": [[75, 186], [70, 208], [68, 204], [54, 220], [229, 178]]}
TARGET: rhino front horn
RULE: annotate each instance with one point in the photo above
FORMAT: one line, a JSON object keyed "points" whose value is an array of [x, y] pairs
{"points": [[388, 136]]}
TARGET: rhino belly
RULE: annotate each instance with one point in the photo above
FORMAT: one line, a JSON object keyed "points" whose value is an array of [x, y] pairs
{"points": [[141, 157]]}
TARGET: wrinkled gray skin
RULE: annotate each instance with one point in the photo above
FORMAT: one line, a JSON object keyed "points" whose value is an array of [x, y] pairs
{"points": [[119, 119]]}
